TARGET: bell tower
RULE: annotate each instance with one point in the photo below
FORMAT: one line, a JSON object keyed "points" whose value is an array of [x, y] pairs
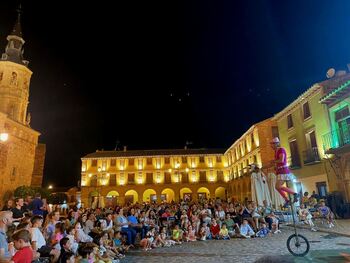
{"points": [[15, 77]]}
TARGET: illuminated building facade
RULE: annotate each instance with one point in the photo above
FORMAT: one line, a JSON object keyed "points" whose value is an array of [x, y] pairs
{"points": [[19, 152], [252, 147], [336, 141], [153, 175]]}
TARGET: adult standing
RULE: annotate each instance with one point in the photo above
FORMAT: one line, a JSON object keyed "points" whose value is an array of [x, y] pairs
{"points": [[36, 205], [282, 172], [260, 190]]}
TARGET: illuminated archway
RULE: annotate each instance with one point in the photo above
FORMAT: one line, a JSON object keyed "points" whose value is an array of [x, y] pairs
{"points": [[112, 199], [167, 195], [203, 192], [149, 195], [112, 194], [220, 192], [186, 193], [131, 196]]}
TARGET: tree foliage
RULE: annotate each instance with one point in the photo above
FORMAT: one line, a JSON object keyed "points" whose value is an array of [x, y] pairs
{"points": [[23, 191]]}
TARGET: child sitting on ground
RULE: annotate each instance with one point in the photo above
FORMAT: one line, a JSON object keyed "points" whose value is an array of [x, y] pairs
{"points": [[325, 212], [306, 217], [104, 254], [202, 232], [118, 246], [177, 234], [191, 234], [147, 242], [275, 223], [264, 231], [223, 234], [214, 229], [167, 242], [245, 230]]}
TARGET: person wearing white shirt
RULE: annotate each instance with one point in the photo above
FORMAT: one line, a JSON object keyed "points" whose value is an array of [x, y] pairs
{"points": [[38, 240]]}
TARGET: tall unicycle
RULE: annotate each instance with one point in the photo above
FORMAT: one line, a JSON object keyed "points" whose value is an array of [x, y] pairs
{"points": [[297, 244]]}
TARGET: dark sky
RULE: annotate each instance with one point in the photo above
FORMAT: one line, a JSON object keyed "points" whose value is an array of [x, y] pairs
{"points": [[106, 73]]}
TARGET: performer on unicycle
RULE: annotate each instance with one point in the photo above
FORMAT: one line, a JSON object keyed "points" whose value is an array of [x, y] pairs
{"points": [[282, 172]]}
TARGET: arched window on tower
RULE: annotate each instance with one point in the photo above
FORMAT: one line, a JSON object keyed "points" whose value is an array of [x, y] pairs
{"points": [[13, 80], [1, 75]]}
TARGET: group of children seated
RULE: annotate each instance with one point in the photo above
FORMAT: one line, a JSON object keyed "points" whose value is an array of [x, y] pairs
{"points": [[217, 229]]}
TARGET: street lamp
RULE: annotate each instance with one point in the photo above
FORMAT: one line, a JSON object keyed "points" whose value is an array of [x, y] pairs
{"points": [[4, 136], [50, 186]]}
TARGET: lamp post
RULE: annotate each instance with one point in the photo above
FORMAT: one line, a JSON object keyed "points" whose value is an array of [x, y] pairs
{"points": [[4, 136]]}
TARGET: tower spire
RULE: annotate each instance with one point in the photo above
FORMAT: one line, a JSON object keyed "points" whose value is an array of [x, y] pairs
{"points": [[14, 48], [17, 29]]}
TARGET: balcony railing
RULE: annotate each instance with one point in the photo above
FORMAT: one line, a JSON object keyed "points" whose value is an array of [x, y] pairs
{"points": [[336, 139], [311, 156], [294, 162]]}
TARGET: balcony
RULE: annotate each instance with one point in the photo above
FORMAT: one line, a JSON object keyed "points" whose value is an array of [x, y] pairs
{"points": [[311, 156], [336, 140]]}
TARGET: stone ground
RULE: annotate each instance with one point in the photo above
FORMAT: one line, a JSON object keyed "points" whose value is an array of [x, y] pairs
{"points": [[325, 247]]}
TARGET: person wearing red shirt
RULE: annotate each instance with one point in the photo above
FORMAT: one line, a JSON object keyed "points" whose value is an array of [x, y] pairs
{"points": [[214, 229], [24, 252]]}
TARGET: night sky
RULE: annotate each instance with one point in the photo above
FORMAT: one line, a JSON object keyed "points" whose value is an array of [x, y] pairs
{"points": [[154, 75]]}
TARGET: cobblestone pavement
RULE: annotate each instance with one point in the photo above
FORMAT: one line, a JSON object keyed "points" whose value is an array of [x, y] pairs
{"points": [[342, 227], [324, 248]]}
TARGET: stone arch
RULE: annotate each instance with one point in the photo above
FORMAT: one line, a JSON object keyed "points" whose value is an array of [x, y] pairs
{"points": [[112, 198], [186, 193], [203, 192], [131, 196], [112, 193], [149, 195], [169, 195], [220, 192]]}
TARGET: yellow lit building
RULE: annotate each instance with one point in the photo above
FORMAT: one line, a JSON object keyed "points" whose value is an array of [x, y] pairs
{"points": [[252, 147], [18, 152], [301, 126], [153, 175]]}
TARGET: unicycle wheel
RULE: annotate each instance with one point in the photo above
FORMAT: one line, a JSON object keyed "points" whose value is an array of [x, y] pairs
{"points": [[298, 245]]}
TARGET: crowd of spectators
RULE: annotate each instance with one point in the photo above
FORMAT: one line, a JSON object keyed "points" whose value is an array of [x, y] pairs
{"points": [[30, 231]]}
